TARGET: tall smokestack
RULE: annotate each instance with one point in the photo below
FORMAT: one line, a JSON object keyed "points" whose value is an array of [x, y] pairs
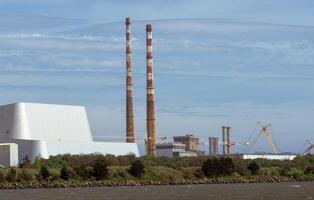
{"points": [[213, 146], [224, 151], [228, 140], [129, 88], [151, 139]]}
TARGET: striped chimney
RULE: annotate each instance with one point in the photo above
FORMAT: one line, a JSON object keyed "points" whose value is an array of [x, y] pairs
{"points": [[129, 88], [151, 139]]}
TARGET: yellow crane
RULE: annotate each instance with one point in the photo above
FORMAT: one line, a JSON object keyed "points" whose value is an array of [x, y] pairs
{"points": [[264, 131]]}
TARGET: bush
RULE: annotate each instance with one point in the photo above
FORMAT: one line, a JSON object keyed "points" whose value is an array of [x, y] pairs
{"points": [[218, 167], [241, 167], [85, 172], [2, 178], [284, 170], [227, 166], [137, 169], [254, 167], [100, 169], [67, 173], [198, 173], [44, 172], [296, 173], [25, 176], [309, 170], [275, 171], [265, 171], [11, 175], [26, 162]]}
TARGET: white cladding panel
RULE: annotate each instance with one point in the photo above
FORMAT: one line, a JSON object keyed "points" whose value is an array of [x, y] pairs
{"points": [[9, 155], [48, 122]]}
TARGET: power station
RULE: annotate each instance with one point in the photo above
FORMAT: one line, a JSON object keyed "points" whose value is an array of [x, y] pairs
{"points": [[42, 130]]}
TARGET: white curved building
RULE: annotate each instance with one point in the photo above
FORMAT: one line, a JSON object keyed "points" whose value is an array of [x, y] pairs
{"points": [[47, 129]]}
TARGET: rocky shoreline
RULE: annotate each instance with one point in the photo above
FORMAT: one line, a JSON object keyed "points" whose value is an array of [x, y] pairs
{"points": [[64, 184]]}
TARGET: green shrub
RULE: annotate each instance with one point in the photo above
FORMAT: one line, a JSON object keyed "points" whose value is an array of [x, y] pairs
{"points": [[309, 170], [44, 173], [295, 172], [188, 172], [67, 173], [275, 171], [284, 170], [2, 178], [218, 167], [198, 173], [11, 175], [85, 172], [137, 169], [227, 166], [54, 177], [100, 169], [122, 173], [38, 163], [25, 176], [265, 171], [210, 167], [254, 167], [241, 167]]}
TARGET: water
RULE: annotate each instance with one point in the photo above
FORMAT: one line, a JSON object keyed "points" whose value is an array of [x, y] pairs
{"points": [[260, 191]]}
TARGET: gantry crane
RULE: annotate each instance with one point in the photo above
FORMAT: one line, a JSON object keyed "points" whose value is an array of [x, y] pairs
{"points": [[309, 148], [264, 131]]}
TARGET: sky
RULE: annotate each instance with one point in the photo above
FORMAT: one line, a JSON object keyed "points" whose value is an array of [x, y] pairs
{"points": [[216, 63]]}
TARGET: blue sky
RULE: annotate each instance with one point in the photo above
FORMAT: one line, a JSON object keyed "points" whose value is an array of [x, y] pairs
{"points": [[216, 63]]}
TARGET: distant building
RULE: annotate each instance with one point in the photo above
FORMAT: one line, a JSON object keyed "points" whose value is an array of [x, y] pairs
{"points": [[173, 149], [191, 142], [269, 156]]}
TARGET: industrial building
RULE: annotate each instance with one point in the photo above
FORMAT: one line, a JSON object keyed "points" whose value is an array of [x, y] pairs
{"points": [[182, 146], [47, 129], [173, 149], [269, 156], [191, 143]]}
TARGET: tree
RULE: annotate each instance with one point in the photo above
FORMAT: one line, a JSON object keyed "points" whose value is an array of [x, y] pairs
{"points": [[137, 168], [44, 172], [100, 169], [254, 167]]}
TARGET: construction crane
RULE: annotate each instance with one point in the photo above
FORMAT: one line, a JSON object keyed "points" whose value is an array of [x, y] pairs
{"points": [[309, 148], [264, 131], [239, 144]]}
